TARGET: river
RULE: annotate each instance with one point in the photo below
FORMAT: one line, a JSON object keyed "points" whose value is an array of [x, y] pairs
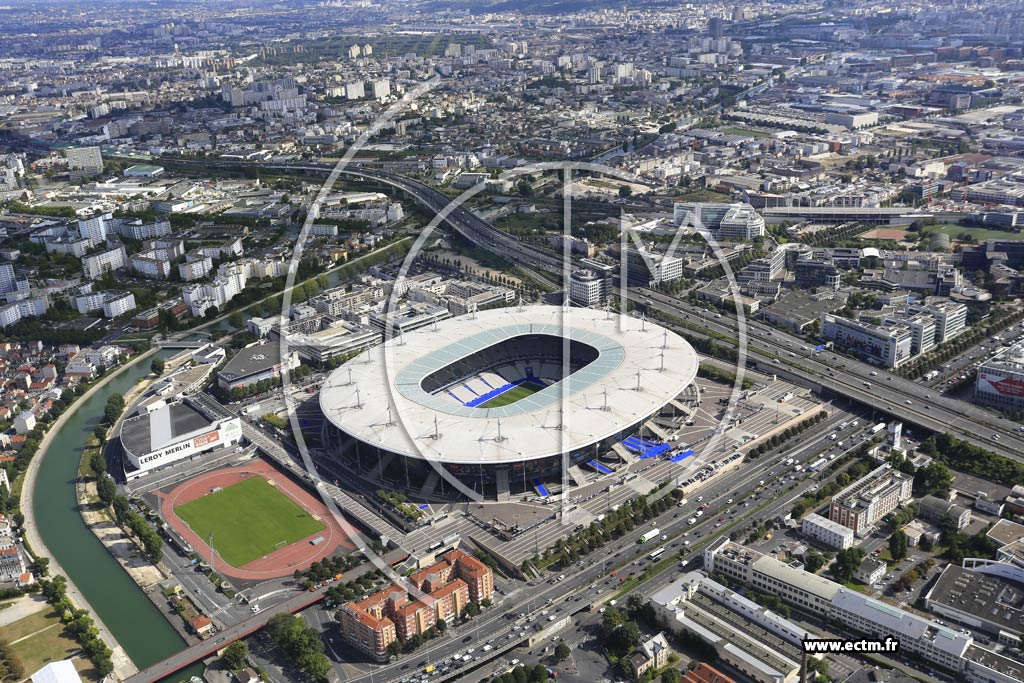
{"points": [[133, 620]]}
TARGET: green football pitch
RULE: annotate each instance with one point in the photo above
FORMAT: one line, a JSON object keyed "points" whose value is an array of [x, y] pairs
{"points": [[512, 395], [248, 520]]}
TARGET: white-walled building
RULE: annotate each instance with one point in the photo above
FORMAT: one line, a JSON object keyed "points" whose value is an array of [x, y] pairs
{"points": [[826, 532]]}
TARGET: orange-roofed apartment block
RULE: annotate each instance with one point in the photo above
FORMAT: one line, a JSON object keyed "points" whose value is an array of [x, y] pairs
{"points": [[441, 593]]}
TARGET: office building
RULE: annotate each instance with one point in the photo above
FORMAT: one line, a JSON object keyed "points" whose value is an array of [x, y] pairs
{"points": [[811, 274], [922, 330], [587, 288], [950, 317], [826, 532], [1000, 380], [885, 345], [726, 222], [941, 512], [929, 640], [648, 268], [863, 504], [407, 317], [323, 340], [755, 641]]}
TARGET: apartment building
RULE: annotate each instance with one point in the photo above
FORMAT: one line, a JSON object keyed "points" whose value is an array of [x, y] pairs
{"points": [[95, 266], [441, 593], [862, 504]]}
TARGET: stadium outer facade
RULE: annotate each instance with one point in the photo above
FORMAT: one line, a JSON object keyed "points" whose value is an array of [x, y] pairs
{"points": [[425, 399]]}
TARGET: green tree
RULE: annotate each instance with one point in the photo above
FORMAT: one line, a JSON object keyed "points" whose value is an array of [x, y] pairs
{"points": [[235, 654], [157, 365], [562, 652], [97, 464], [935, 479], [846, 563], [539, 674], [106, 489], [898, 545], [670, 675]]}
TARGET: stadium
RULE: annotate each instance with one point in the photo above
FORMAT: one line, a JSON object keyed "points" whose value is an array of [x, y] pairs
{"points": [[482, 395]]}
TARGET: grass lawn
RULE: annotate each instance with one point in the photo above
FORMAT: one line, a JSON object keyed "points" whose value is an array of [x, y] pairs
{"points": [[977, 233], [248, 520], [512, 395], [44, 640], [744, 131]]}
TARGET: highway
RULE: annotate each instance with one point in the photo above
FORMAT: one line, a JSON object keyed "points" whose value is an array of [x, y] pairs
{"points": [[592, 579], [901, 398], [840, 374]]}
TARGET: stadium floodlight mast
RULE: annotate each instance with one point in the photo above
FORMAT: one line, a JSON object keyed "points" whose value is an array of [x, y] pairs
{"points": [[691, 224]]}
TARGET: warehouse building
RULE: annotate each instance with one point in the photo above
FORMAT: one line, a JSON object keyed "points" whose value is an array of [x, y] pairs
{"points": [[254, 364], [166, 433]]}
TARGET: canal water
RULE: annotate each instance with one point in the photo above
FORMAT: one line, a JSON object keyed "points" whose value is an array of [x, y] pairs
{"points": [[133, 620]]}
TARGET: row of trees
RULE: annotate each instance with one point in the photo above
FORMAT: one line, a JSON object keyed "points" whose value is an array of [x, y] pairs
{"points": [[78, 624], [583, 542], [264, 385], [106, 488], [520, 674], [713, 372], [855, 471], [967, 457], [777, 440], [152, 544], [999, 321]]}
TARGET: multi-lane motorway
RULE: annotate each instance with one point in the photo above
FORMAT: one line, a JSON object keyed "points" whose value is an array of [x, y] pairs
{"points": [[871, 386]]}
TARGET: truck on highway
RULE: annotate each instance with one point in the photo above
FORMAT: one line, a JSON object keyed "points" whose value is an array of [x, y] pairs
{"points": [[930, 375], [878, 427], [814, 466], [653, 533]]}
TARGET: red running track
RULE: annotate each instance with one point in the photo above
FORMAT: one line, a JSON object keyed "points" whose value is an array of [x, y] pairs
{"points": [[281, 562]]}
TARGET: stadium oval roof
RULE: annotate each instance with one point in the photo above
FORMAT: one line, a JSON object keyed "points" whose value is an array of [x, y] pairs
{"points": [[379, 399]]}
